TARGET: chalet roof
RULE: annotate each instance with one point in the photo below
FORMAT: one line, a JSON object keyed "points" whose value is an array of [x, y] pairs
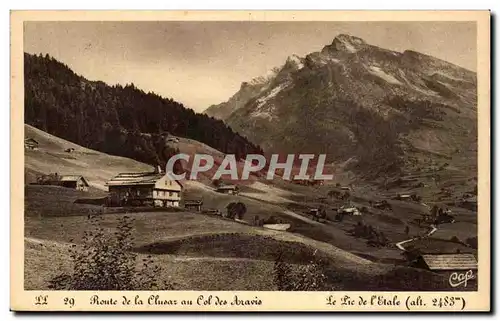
{"points": [[72, 178], [222, 187], [30, 140], [450, 261], [193, 202], [69, 178], [128, 179]]}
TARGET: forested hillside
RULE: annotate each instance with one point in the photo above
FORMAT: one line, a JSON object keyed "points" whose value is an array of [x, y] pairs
{"points": [[124, 121]]}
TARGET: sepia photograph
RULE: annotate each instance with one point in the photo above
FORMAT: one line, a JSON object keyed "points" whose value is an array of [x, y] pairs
{"points": [[279, 155]]}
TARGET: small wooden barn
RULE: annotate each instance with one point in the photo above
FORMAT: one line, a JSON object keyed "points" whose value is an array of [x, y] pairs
{"points": [[77, 182], [193, 205], [228, 189]]}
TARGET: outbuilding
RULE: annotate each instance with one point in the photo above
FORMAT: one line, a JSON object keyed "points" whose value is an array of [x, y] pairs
{"points": [[193, 205], [228, 189], [77, 182]]}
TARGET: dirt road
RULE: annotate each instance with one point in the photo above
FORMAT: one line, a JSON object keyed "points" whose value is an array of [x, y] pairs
{"points": [[399, 245]]}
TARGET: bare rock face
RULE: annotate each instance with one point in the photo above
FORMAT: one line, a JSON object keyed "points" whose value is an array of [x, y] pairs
{"points": [[346, 43]]}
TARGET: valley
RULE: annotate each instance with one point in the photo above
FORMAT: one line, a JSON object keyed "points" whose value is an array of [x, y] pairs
{"points": [[201, 251]]}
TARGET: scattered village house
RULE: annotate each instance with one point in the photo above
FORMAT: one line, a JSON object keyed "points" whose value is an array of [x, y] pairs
{"points": [[193, 205], [74, 181], [77, 182], [403, 197], [150, 188], [349, 210], [30, 143], [228, 189], [318, 213], [446, 262]]}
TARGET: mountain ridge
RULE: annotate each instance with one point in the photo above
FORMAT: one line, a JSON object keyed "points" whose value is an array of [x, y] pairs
{"points": [[353, 99]]}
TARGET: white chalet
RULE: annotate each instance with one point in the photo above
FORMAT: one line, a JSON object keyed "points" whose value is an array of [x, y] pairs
{"points": [[143, 189]]}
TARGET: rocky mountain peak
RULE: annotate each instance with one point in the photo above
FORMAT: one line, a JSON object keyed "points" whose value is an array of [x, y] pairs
{"points": [[347, 43], [294, 60], [403, 98]]}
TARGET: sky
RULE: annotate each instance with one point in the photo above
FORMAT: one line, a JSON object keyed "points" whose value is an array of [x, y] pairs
{"points": [[204, 63]]}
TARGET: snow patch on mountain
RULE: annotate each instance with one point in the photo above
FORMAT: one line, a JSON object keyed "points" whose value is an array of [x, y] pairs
{"points": [[415, 87], [442, 74], [331, 59], [325, 60], [350, 47], [264, 108], [377, 71], [448, 86], [271, 94], [262, 114]]}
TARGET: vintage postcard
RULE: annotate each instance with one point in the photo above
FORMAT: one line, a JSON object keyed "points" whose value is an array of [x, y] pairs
{"points": [[250, 161]]}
